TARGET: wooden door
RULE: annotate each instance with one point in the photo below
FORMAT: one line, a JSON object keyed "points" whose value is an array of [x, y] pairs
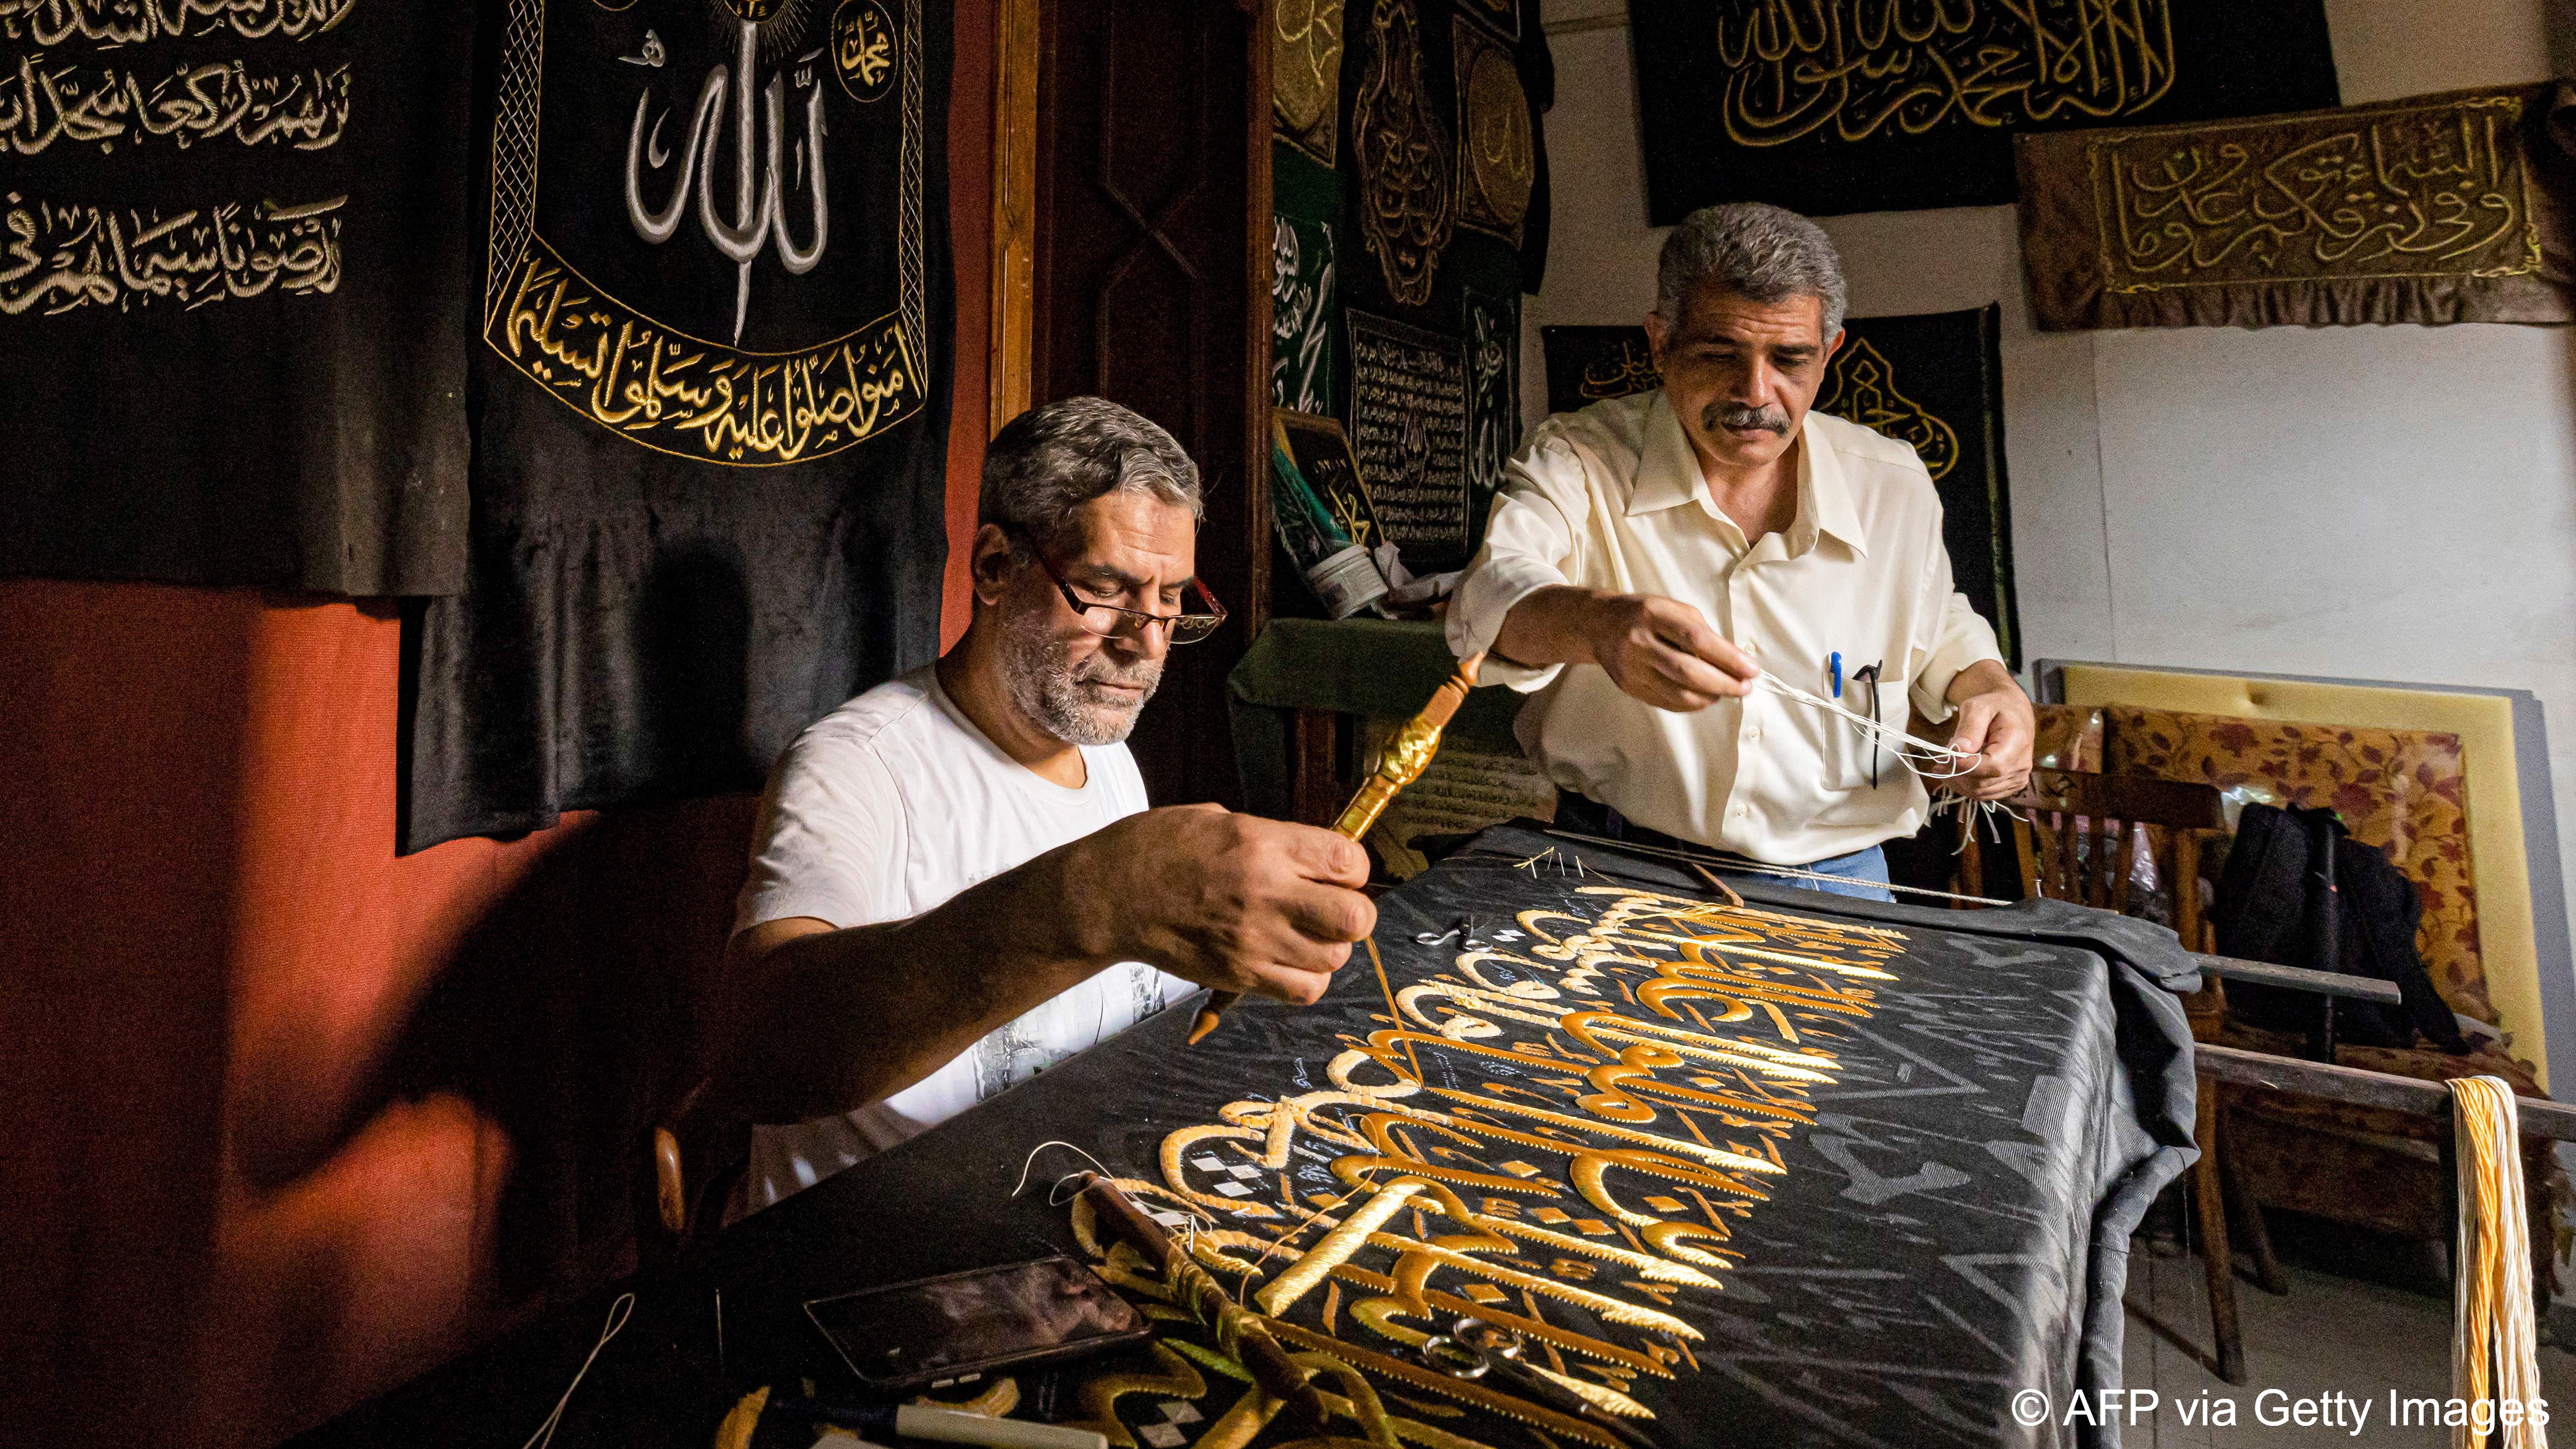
{"points": [[1153, 290]]}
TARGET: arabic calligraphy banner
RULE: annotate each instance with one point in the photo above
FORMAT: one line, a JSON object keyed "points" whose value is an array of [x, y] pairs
{"points": [[235, 262], [710, 402], [2446, 208], [1889, 105], [1933, 380]]}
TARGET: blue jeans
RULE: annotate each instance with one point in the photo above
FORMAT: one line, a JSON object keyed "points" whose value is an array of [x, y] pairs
{"points": [[1863, 874]]}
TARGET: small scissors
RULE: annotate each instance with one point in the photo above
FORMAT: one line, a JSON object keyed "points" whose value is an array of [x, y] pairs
{"points": [[1475, 1349]]}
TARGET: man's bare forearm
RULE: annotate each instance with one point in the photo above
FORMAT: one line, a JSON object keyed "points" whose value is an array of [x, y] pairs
{"points": [[1551, 626], [834, 1020]]}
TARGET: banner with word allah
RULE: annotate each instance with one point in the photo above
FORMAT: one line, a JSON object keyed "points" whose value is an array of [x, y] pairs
{"points": [[1931, 380], [2444, 208], [1838, 106], [1411, 197], [710, 401], [235, 271]]}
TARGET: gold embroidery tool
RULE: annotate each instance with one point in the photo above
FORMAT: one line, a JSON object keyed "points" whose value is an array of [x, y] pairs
{"points": [[1407, 754], [1240, 1333]]}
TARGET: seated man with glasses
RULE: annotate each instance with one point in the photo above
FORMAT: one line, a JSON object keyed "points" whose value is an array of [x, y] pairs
{"points": [[956, 883]]}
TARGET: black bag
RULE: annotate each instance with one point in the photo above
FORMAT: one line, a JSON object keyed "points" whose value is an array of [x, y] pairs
{"points": [[2298, 890]]}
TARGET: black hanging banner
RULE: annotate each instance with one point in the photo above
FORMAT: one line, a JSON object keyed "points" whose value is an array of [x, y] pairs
{"points": [[235, 279], [710, 404], [1864, 105], [1933, 380]]}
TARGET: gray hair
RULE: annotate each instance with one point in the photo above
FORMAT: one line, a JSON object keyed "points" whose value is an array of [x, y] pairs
{"points": [[1765, 253], [1048, 462]]}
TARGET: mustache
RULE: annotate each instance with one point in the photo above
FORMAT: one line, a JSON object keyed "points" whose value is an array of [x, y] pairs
{"points": [[1737, 415]]}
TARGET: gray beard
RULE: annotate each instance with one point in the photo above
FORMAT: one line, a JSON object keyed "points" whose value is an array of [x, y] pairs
{"points": [[1047, 688]]}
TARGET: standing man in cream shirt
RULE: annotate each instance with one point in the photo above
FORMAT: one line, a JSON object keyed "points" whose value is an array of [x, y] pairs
{"points": [[1650, 556]]}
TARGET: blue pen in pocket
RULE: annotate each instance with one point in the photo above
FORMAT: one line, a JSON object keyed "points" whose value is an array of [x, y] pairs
{"points": [[1834, 667]]}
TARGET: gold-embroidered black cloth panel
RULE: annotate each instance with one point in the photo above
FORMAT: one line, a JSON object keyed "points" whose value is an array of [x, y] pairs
{"points": [[1827, 106], [235, 250], [1932, 380], [709, 401], [2443, 208], [1808, 1173]]}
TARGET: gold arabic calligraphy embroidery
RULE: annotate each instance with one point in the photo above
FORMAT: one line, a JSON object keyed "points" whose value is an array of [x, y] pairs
{"points": [[57, 258], [46, 102], [1846, 70], [1408, 201], [628, 372], [2413, 191], [132, 22], [1624, 1083]]}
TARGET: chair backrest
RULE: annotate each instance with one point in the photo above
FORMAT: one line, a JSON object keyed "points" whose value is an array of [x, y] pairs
{"points": [[2075, 843]]}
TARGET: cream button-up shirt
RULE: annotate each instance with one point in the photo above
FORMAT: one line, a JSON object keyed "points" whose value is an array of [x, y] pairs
{"points": [[1611, 498]]}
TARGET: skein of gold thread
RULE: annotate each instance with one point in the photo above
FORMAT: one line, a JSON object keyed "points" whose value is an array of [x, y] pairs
{"points": [[1407, 754], [2494, 1359]]}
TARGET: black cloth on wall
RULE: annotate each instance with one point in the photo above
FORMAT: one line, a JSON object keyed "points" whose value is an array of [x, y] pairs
{"points": [[711, 413], [1856, 105], [236, 272]]}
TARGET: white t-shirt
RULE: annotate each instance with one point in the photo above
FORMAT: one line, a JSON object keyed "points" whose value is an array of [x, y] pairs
{"points": [[881, 811]]}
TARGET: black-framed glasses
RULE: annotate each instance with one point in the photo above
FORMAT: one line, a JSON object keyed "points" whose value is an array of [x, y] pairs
{"points": [[1110, 621]]}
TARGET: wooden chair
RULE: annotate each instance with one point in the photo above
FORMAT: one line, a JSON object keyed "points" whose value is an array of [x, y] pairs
{"points": [[2076, 842]]}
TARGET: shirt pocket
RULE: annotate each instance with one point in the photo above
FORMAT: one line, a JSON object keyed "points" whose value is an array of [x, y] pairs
{"points": [[1852, 754]]}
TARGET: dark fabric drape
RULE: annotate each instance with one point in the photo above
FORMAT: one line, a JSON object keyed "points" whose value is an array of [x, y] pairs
{"points": [[2443, 208], [235, 281], [710, 406], [1857, 105], [1933, 380]]}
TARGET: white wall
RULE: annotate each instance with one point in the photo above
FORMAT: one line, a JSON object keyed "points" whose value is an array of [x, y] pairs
{"points": [[2367, 502]]}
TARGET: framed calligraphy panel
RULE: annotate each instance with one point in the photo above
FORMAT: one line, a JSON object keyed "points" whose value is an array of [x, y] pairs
{"points": [[1409, 426], [1322, 455], [2444, 208], [1857, 105], [710, 405], [234, 292], [1933, 380]]}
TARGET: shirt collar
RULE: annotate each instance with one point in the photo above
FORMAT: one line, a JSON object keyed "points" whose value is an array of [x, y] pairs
{"points": [[1824, 494], [1667, 468], [1668, 476]]}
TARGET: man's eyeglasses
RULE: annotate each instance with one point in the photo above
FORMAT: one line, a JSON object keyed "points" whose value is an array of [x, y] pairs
{"points": [[1112, 622]]}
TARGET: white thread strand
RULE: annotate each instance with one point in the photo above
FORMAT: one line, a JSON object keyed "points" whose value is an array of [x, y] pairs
{"points": [[1920, 756], [618, 1313], [1031, 1160]]}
